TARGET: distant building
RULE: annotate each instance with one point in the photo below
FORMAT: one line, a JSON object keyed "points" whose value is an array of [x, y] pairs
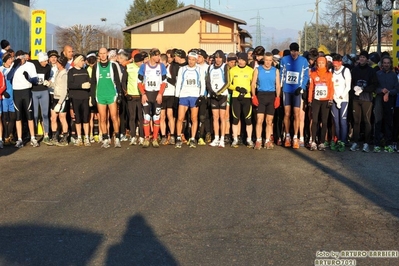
{"points": [[15, 20], [191, 27]]}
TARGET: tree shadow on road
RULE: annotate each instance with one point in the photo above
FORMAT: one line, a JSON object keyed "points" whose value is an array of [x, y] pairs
{"points": [[140, 246], [35, 245]]}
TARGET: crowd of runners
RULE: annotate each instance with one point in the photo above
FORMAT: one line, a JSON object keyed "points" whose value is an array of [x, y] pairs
{"points": [[151, 98]]}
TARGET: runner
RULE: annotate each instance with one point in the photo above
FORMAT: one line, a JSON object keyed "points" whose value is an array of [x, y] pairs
{"points": [[342, 79], [364, 83], [190, 88], [294, 76], [320, 98], [105, 89], [240, 84], [266, 92], [152, 84], [217, 83]]}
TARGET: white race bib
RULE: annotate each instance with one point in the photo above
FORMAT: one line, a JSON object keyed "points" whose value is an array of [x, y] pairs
{"points": [[320, 92], [292, 77]]}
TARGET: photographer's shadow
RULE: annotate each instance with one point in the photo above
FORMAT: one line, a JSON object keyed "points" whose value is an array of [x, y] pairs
{"points": [[139, 246]]}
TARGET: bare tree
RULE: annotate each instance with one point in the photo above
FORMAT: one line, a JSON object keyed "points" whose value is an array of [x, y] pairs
{"points": [[82, 38]]}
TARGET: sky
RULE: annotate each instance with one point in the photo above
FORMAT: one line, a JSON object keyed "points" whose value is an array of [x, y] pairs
{"points": [[282, 14]]}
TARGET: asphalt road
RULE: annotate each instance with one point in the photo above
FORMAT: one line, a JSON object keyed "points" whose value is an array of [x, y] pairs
{"points": [[204, 206]]}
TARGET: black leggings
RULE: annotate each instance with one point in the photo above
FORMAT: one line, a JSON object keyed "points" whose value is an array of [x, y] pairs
{"points": [[8, 123], [135, 111], [320, 108], [361, 113]]}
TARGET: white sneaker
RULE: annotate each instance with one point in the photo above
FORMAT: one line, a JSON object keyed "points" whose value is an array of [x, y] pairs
{"points": [[105, 144], [141, 141], [133, 141], [214, 143], [221, 144], [354, 147], [366, 147], [117, 143], [34, 143], [19, 144]]}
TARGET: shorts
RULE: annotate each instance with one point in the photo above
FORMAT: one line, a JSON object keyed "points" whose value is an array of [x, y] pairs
{"points": [[290, 99], [105, 100], [63, 105], [266, 103], [7, 105], [188, 101], [167, 102], [219, 104]]}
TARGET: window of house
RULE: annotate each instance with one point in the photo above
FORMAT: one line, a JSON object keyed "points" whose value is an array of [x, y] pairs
{"points": [[211, 28], [157, 26]]}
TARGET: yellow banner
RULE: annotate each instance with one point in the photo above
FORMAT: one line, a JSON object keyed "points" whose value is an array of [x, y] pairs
{"points": [[38, 33], [395, 36]]}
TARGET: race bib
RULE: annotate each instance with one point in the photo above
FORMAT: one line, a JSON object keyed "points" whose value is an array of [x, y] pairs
{"points": [[292, 77], [320, 92]]}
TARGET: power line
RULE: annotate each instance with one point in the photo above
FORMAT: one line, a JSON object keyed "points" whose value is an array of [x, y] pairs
{"points": [[258, 33]]}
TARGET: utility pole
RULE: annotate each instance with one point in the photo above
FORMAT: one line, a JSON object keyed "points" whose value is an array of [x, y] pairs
{"points": [[317, 23], [354, 27]]}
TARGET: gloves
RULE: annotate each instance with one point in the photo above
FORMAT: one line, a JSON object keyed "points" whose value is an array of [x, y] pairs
{"points": [[86, 85], [199, 101], [358, 90], [255, 100], [329, 104], [241, 90], [26, 75], [47, 83], [119, 98], [298, 91], [338, 102], [277, 102], [6, 95], [57, 108], [92, 101]]}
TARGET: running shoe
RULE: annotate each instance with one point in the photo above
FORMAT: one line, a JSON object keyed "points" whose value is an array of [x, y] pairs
{"points": [[271, 138], [201, 142], [146, 143], [239, 140], [366, 147], [295, 143], [133, 141], [326, 144], [96, 138], [313, 146], [34, 143], [341, 146], [141, 141], [1, 144], [78, 142], [333, 146], [221, 144], [164, 141], [73, 141], [250, 144], [287, 142], [354, 147], [234, 144], [117, 143], [123, 138], [105, 144], [183, 139], [227, 139], [172, 140], [208, 137], [389, 149], [178, 143], [87, 142], [63, 142], [377, 149], [258, 145], [19, 143], [321, 147], [269, 145], [155, 143], [301, 143], [192, 143], [47, 141], [279, 142], [214, 143]]}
